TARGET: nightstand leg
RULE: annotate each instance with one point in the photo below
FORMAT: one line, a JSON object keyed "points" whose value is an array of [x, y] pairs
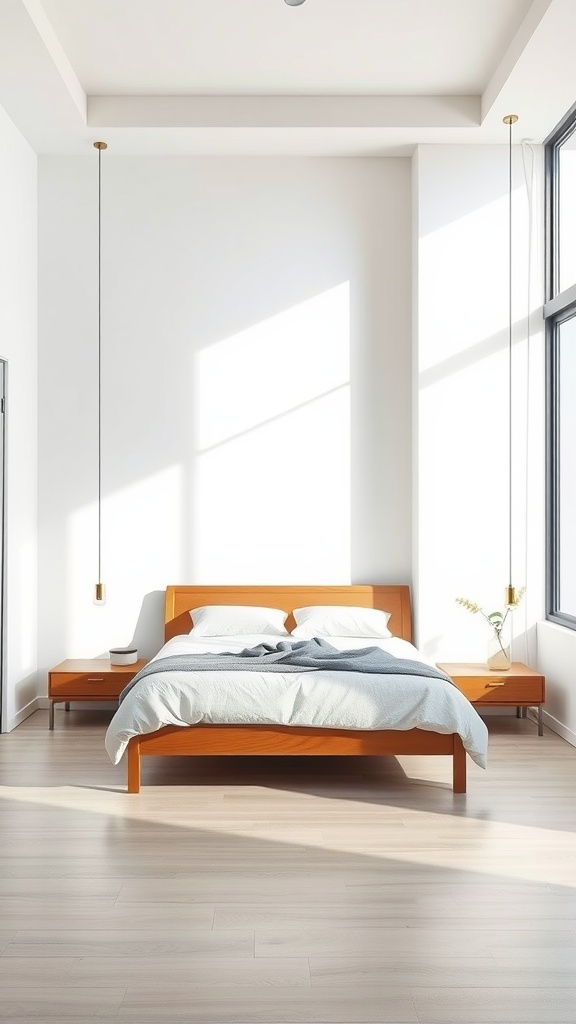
{"points": [[540, 723], [67, 705], [518, 709], [51, 715]]}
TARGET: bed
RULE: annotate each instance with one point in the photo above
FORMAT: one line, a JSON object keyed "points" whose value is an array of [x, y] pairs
{"points": [[216, 738]]}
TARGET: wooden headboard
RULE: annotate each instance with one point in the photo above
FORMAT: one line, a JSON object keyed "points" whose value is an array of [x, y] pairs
{"points": [[393, 599]]}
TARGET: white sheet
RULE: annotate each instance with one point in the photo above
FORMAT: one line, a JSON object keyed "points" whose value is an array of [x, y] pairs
{"points": [[315, 699]]}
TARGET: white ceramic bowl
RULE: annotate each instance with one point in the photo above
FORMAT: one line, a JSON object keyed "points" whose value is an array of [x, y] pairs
{"points": [[123, 655]]}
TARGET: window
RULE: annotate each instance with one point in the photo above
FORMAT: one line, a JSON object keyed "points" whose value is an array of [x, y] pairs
{"points": [[560, 317]]}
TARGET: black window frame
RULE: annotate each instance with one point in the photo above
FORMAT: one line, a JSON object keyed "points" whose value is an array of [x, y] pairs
{"points": [[558, 308]]}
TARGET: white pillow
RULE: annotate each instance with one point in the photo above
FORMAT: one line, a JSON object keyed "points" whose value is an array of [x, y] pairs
{"points": [[237, 620], [339, 620]]}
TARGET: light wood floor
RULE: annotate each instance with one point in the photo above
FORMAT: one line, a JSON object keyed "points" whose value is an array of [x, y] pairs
{"points": [[260, 891]]}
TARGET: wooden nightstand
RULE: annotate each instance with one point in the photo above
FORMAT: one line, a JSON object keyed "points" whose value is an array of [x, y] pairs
{"points": [[90, 679], [520, 686]]}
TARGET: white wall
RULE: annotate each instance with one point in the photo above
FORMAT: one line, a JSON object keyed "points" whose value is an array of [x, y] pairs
{"points": [[256, 382], [460, 199], [18, 337]]}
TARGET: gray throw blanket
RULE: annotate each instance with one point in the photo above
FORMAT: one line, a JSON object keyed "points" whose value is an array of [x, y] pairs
{"points": [[301, 656]]}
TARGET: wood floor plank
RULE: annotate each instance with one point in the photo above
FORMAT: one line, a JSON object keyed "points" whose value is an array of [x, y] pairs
{"points": [[554, 906], [536, 960], [447, 942], [483, 1005], [71, 906], [441, 972], [344, 914], [214, 888], [62, 888], [168, 972], [35, 915], [197, 942], [200, 1005], [24, 1002]]}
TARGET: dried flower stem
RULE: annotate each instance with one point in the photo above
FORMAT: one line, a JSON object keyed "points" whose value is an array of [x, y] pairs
{"points": [[495, 619]]}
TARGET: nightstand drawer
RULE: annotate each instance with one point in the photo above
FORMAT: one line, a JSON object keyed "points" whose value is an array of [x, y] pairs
{"points": [[84, 685], [496, 687]]}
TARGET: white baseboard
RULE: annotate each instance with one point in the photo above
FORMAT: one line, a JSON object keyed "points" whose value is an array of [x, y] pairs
{"points": [[23, 714], [562, 730], [42, 703]]}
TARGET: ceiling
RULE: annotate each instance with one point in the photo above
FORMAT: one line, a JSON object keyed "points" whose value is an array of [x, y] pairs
{"points": [[330, 77]]}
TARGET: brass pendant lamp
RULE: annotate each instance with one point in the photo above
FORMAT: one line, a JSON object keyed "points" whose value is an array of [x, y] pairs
{"points": [[99, 588], [510, 594]]}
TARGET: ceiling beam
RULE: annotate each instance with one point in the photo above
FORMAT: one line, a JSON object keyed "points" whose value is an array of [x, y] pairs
{"points": [[284, 111], [55, 49], [520, 42], [38, 88]]}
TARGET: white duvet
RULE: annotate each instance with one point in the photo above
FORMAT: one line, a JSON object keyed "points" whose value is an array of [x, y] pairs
{"points": [[318, 699]]}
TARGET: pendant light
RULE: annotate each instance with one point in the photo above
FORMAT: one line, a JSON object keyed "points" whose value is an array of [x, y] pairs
{"points": [[99, 588], [510, 593]]}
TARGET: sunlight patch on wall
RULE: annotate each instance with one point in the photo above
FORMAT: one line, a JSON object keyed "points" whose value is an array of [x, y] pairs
{"points": [[141, 551], [464, 287], [273, 367], [272, 485]]}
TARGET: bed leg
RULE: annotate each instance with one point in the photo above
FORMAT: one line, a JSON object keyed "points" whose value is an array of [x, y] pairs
{"points": [[458, 766], [134, 766]]}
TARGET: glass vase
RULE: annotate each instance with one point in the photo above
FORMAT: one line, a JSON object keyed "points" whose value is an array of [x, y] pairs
{"points": [[498, 654]]}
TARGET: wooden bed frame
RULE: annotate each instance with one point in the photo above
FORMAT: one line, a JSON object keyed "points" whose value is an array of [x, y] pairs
{"points": [[264, 739]]}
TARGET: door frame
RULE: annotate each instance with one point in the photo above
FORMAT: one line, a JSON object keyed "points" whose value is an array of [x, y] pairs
{"points": [[3, 544]]}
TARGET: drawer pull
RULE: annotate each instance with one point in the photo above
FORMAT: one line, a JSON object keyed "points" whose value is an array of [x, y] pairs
{"points": [[95, 679], [495, 684]]}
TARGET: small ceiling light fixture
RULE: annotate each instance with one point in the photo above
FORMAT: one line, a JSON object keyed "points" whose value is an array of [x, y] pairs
{"points": [[510, 594], [294, 3], [99, 588]]}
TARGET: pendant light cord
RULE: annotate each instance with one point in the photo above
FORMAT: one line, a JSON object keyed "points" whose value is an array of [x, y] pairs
{"points": [[510, 354], [99, 592], [99, 366]]}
